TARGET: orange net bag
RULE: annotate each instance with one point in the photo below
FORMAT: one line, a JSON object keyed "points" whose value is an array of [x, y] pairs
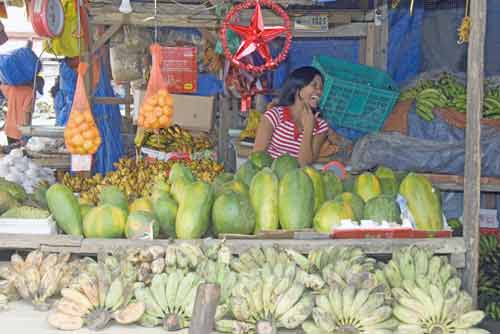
{"points": [[157, 109], [81, 134]]}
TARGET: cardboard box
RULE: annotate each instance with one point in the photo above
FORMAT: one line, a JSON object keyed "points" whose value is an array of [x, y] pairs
{"points": [[179, 68], [193, 113]]}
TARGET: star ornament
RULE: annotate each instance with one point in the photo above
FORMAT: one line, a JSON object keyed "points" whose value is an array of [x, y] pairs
{"points": [[256, 36]]}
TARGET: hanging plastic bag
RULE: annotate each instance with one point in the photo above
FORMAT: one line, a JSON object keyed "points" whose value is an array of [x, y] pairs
{"points": [[81, 134], [157, 109]]}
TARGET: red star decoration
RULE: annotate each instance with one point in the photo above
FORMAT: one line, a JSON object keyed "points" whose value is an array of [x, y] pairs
{"points": [[256, 36]]}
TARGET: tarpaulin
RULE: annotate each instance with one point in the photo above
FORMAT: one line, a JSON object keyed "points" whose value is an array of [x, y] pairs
{"points": [[67, 86], [18, 67]]}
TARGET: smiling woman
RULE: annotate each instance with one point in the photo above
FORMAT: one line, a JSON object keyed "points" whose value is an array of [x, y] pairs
{"points": [[294, 126]]}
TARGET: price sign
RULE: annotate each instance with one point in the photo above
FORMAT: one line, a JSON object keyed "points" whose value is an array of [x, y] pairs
{"points": [[311, 23], [81, 163]]}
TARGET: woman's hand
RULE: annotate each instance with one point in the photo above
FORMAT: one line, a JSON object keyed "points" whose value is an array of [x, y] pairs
{"points": [[308, 119]]}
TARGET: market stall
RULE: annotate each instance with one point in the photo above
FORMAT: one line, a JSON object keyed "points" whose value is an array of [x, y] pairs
{"points": [[328, 233]]}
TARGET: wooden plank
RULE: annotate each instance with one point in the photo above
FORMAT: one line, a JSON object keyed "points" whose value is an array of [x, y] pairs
{"points": [[362, 50], [356, 29], [207, 299], [113, 100], [128, 96], [475, 92], [456, 182], [382, 36], [110, 32], [31, 241], [370, 45], [141, 19]]}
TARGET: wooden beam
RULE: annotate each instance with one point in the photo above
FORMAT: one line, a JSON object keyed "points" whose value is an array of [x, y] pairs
{"points": [[224, 106], [475, 92], [207, 299], [382, 36], [346, 30], [370, 45], [141, 19], [110, 32]]}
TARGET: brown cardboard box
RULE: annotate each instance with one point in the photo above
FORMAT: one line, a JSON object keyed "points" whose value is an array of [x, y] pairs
{"points": [[193, 112]]}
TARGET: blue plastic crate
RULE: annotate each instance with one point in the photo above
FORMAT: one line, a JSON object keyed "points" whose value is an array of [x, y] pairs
{"points": [[355, 96]]}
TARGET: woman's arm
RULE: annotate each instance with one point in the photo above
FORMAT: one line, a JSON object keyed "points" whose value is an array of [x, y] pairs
{"points": [[264, 134], [310, 147]]}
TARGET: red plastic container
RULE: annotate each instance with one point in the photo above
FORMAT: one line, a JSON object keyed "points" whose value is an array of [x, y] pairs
{"points": [[180, 69]]}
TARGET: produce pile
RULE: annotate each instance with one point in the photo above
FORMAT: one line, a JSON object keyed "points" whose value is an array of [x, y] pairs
{"points": [[263, 195], [17, 168], [173, 139], [332, 290], [15, 202], [136, 178], [449, 92]]}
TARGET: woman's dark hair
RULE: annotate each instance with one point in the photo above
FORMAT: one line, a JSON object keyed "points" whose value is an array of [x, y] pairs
{"points": [[297, 80]]}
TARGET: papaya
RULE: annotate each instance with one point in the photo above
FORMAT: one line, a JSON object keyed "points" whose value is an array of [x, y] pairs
{"points": [[423, 202], [16, 190], [233, 213], [235, 185], [382, 208], [318, 186], [264, 199], [180, 171], [165, 210], [140, 204], [223, 178], [261, 159], [357, 204], [160, 186], [141, 225], [84, 209], [112, 195], [105, 221], [65, 208], [193, 216], [348, 183], [330, 215], [333, 185], [367, 186], [296, 200], [283, 164], [246, 172], [7, 201], [388, 181], [179, 188]]}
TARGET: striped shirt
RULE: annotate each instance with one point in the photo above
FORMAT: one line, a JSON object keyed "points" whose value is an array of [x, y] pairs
{"points": [[286, 137]]}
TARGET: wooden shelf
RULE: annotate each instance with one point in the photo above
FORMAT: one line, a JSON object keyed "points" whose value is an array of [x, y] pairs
{"points": [[79, 245]]}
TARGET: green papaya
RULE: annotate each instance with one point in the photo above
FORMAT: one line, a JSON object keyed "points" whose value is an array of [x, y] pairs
{"points": [[388, 181], [193, 216], [367, 186], [354, 201], [261, 159], [382, 208], [65, 209], [284, 164], [165, 210], [348, 183], [246, 172], [264, 199], [318, 186], [333, 185], [330, 215], [113, 196], [234, 185], [178, 189], [296, 200], [232, 213], [180, 171], [423, 202]]}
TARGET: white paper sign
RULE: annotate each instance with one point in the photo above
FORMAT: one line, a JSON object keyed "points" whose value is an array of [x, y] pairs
{"points": [[81, 163]]}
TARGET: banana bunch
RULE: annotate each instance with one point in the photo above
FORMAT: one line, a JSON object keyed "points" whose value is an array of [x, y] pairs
{"points": [[250, 130], [488, 247], [489, 280], [423, 307], [38, 277], [427, 100], [351, 310], [411, 93], [174, 139], [97, 297], [219, 273], [8, 291], [4, 300], [416, 264], [156, 260], [491, 108], [493, 310], [254, 258], [169, 300], [266, 299]]}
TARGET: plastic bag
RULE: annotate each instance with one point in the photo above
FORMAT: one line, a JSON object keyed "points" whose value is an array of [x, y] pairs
{"points": [[157, 109], [19, 67], [81, 134]]}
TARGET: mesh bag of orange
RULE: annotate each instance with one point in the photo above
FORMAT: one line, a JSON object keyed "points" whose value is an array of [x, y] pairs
{"points": [[157, 109], [81, 134]]}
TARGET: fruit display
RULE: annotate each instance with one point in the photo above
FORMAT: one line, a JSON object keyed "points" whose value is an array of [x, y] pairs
{"points": [[174, 139], [26, 212], [157, 110], [489, 279], [449, 92], [37, 277]]}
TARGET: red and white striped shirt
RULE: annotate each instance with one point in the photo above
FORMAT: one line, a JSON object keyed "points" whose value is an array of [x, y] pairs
{"points": [[286, 137]]}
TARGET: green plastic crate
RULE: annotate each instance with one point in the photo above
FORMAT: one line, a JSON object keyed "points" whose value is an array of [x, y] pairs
{"points": [[355, 96]]}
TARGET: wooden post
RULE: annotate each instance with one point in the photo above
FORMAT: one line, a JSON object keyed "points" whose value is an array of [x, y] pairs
{"points": [[382, 36], [207, 298], [475, 77], [224, 106]]}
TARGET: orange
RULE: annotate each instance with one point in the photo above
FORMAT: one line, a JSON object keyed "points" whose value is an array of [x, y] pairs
{"points": [[77, 117]]}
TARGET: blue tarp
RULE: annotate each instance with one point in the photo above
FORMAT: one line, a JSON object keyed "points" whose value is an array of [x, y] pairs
{"points": [[18, 67], [67, 86]]}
